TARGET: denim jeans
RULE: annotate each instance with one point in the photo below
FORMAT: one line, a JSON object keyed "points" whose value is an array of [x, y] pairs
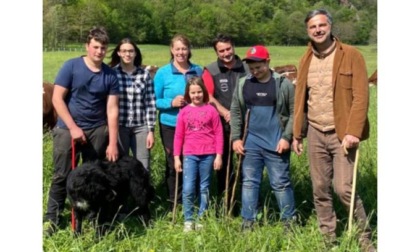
{"points": [[134, 139], [196, 166], [278, 174]]}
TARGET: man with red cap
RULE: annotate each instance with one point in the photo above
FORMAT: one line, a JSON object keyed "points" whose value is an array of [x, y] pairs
{"points": [[264, 101]]}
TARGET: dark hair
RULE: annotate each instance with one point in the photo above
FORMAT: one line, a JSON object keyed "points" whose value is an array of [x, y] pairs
{"points": [[196, 81], [115, 58], [184, 40], [313, 13], [99, 34], [222, 38]]}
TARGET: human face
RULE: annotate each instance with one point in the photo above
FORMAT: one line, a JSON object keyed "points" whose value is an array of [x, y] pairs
{"points": [[319, 30], [260, 70], [196, 95], [225, 52], [127, 53], [96, 51], [180, 52]]}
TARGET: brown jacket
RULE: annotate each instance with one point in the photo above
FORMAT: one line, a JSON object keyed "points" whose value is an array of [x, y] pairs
{"points": [[350, 92]]}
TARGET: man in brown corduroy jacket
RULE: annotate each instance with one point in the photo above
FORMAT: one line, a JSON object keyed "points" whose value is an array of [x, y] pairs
{"points": [[332, 89]]}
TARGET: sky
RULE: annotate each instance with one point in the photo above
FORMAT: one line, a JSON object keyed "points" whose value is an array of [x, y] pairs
{"points": [[21, 176]]}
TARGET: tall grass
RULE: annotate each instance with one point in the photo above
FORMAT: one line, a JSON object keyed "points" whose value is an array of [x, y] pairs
{"points": [[222, 233]]}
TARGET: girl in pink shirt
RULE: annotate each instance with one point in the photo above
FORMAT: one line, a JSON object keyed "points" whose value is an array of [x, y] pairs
{"points": [[199, 138]]}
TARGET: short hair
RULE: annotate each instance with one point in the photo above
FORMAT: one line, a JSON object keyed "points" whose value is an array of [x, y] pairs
{"points": [[196, 80], [313, 13], [184, 40], [222, 38], [99, 34]]}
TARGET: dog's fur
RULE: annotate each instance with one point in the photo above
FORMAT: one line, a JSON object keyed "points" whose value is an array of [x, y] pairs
{"points": [[99, 189]]}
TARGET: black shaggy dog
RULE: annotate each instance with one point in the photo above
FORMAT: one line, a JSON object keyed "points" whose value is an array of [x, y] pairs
{"points": [[99, 189]]}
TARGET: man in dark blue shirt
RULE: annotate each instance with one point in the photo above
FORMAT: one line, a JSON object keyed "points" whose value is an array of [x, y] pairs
{"points": [[86, 100]]}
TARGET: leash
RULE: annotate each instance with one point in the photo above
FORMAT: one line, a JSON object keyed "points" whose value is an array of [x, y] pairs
{"points": [[73, 166]]}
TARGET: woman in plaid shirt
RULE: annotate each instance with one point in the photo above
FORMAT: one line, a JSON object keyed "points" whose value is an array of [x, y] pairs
{"points": [[137, 102]]}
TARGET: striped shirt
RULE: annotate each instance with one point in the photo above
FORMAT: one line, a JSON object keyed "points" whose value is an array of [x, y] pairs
{"points": [[137, 101]]}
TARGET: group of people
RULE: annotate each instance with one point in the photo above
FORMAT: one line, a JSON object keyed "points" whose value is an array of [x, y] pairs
{"points": [[205, 114]]}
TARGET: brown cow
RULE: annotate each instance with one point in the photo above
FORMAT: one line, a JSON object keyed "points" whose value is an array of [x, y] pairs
{"points": [[49, 115], [373, 79], [151, 68], [289, 71]]}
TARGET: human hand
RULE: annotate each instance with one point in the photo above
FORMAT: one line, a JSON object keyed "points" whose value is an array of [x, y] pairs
{"points": [[283, 146], [178, 101], [238, 147], [226, 116], [112, 153], [297, 146], [349, 141], [78, 135], [150, 141], [178, 164], [217, 164]]}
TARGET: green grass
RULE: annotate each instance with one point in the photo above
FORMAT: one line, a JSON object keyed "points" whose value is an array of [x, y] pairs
{"points": [[223, 234], [159, 55]]}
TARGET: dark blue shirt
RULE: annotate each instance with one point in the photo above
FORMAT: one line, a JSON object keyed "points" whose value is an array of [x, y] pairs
{"points": [[87, 92], [264, 131]]}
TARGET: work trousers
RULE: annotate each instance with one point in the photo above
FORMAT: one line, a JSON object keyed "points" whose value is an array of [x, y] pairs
{"points": [[94, 148], [167, 134], [329, 166]]}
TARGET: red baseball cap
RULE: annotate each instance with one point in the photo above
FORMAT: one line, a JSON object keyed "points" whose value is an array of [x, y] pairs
{"points": [[257, 53]]}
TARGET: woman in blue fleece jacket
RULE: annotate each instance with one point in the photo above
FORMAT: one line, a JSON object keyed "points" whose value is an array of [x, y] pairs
{"points": [[170, 81]]}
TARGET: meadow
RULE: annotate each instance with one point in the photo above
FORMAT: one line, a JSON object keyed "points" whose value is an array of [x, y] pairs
{"points": [[221, 232]]}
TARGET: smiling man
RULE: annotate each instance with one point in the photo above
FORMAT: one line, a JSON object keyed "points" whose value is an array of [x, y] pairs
{"points": [[220, 78], [332, 87], [86, 100]]}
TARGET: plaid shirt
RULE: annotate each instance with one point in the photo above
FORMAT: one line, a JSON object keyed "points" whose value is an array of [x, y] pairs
{"points": [[137, 102]]}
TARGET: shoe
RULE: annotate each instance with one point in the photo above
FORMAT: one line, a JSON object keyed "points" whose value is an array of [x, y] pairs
{"points": [[366, 245], [331, 242], [288, 224], [247, 226], [198, 226], [49, 228], [188, 226]]}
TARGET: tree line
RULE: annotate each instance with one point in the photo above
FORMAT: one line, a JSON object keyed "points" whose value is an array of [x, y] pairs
{"points": [[270, 22]]}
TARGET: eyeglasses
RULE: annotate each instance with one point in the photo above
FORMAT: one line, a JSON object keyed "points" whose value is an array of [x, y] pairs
{"points": [[127, 51]]}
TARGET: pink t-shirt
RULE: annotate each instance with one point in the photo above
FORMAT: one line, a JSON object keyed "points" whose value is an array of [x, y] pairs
{"points": [[198, 131]]}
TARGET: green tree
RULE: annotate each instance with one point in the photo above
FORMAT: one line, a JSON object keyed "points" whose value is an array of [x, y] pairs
{"points": [[55, 25], [296, 32], [274, 22]]}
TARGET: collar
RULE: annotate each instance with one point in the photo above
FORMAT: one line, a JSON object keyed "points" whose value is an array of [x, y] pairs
{"points": [[119, 67], [238, 64], [327, 52], [175, 70]]}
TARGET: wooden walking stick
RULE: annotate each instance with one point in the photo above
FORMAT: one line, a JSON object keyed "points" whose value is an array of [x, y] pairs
{"points": [[227, 179], [175, 199], [353, 189], [238, 167]]}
